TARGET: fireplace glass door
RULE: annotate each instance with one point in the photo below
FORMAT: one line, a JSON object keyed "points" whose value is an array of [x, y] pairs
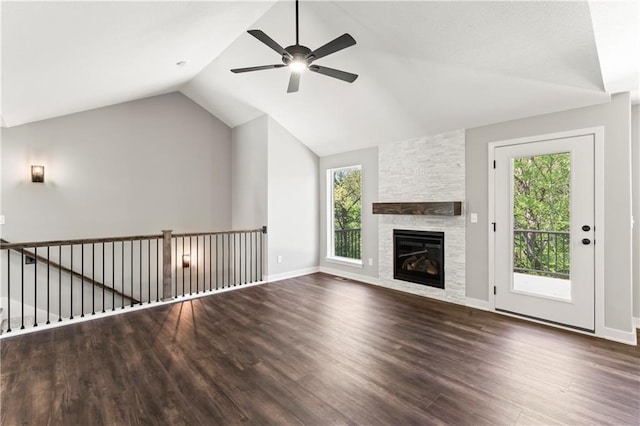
{"points": [[419, 257]]}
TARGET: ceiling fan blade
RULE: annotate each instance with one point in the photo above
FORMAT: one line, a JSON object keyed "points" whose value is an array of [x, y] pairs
{"points": [[294, 82], [342, 42], [261, 67], [270, 42], [331, 72]]}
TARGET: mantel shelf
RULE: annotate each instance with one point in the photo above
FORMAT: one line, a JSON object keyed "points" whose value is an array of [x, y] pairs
{"points": [[438, 208]]}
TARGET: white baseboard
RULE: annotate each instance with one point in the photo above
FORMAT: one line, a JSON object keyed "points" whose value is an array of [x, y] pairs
{"points": [[350, 275], [626, 337], [636, 322], [477, 304], [291, 274]]}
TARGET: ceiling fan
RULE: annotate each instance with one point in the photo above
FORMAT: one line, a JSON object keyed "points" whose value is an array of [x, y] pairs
{"points": [[299, 58]]}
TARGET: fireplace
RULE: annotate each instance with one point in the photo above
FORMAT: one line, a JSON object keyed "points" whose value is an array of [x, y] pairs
{"points": [[419, 257]]}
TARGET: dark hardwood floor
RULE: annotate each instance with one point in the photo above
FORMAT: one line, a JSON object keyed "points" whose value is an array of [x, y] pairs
{"points": [[316, 350]]}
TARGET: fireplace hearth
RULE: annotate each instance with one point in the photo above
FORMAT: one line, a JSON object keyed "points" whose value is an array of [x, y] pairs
{"points": [[419, 257]]}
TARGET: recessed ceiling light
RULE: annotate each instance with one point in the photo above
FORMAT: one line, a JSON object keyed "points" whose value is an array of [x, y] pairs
{"points": [[181, 63]]}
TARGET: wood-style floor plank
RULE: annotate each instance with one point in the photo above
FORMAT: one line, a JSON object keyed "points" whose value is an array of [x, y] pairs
{"points": [[315, 350]]}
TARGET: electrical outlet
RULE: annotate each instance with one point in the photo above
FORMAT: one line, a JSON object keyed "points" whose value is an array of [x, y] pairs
{"points": [[474, 217], [279, 259], [370, 261], [1, 219]]}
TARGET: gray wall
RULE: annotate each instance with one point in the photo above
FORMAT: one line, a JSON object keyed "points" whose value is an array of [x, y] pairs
{"points": [[275, 183], [132, 168], [368, 158], [635, 166], [249, 174], [293, 203], [615, 117]]}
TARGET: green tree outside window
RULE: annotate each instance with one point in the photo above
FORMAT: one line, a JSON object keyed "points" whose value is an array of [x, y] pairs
{"points": [[347, 212]]}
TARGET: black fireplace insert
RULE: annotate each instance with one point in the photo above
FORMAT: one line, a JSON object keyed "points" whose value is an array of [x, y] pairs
{"points": [[419, 257]]}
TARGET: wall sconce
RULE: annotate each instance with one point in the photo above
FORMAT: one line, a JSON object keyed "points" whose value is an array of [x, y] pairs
{"points": [[186, 261], [37, 173]]}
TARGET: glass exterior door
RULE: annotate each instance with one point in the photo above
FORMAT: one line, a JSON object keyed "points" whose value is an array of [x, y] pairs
{"points": [[544, 205]]}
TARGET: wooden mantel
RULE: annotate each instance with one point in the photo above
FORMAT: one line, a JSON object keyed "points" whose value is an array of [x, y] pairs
{"points": [[439, 208]]}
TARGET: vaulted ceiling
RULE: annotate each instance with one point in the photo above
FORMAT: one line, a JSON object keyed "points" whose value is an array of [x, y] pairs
{"points": [[424, 67]]}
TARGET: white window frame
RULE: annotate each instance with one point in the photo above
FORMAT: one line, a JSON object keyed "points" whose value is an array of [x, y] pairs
{"points": [[331, 257]]}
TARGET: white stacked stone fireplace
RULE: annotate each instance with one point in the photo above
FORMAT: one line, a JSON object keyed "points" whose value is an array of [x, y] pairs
{"points": [[421, 170]]}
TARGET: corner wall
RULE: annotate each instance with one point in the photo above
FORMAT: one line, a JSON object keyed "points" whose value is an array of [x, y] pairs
{"points": [[293, 199], [132, 168], [248, 174], [275, 184], [615, 117]]}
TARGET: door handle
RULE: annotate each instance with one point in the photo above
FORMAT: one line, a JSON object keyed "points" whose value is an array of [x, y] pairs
{"points": [[586, 241]]}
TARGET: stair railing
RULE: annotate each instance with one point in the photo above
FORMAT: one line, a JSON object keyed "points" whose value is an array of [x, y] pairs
{"points": [[64, 279]]}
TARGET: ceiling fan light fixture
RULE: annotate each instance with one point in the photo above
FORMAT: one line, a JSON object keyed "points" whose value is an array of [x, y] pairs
{"points": [[297, 66]]}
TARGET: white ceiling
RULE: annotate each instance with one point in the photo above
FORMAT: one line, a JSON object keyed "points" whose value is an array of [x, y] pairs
{"points": [[425, 67], [64, 57]]}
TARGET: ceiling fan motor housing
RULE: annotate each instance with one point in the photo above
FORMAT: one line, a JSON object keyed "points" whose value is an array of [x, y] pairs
{"points": [[298, 54]]}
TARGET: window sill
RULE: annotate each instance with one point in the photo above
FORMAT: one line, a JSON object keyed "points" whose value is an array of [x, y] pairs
{"points": [[344, 261]]}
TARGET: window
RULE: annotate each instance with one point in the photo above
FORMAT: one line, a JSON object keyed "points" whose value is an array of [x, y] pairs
{"points": [[344, 238]]}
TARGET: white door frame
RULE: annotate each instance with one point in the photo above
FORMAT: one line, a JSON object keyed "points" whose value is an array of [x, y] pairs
{"points": [[598, 136]]}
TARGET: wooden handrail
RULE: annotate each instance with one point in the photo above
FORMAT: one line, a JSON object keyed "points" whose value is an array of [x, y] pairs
{"points": [[69, 271], [16, 246], [199, 234]]}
